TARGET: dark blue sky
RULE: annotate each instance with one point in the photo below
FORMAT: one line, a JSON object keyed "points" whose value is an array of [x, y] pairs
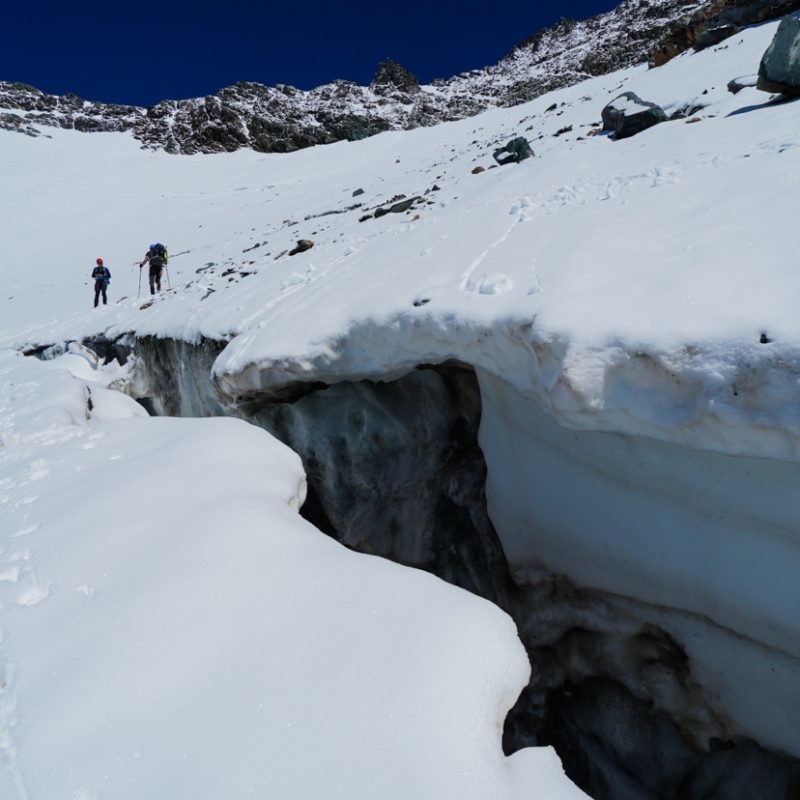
{"points": [[143, 52]]}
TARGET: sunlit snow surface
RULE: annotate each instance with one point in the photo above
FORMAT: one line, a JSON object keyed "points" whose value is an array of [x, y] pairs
{"points": [[172, 628]]}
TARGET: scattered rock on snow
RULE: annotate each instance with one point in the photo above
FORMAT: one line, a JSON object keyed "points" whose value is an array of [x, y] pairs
{"points": [[779, 70], [302, 246], [628, 115], [744, 82], [478, 170], [515, 151], [397, 208]]}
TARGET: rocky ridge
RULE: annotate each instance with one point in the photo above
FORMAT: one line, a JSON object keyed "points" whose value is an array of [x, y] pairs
{"points": [[283, 118]]}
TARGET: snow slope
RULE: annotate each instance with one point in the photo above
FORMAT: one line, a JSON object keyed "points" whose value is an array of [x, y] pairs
{"points": [[640, 438]]}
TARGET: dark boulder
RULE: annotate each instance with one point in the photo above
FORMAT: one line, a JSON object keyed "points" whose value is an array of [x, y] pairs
{"points": [[628, 115], [397, 208], [515, 151], [302, 246], [779, 70]]}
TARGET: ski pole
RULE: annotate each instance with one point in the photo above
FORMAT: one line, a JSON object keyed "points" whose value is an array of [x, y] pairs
{"points": [[166, 269], [139, 293]]}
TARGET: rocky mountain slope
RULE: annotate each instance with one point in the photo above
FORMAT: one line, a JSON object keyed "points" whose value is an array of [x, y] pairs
{"points": [[283, 118]]}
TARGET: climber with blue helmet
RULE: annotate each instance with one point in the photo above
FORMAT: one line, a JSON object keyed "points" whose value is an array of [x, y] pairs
{"points": [[157, 257]]}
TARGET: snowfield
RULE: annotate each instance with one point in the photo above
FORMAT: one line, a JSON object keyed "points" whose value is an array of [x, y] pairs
{"points": [[172, 627]]}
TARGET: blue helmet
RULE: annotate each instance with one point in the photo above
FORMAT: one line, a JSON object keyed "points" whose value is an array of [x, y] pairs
{"points": [[154, 245]]}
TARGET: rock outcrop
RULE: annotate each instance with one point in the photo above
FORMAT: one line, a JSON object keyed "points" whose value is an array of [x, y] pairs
{"points": [[714, 22], [391, 75]]}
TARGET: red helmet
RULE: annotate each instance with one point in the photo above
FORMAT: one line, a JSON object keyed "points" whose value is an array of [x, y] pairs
{"points": [[100, 261]]}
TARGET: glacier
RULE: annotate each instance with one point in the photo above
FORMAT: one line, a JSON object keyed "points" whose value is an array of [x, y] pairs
{"points": [[588, 361]]}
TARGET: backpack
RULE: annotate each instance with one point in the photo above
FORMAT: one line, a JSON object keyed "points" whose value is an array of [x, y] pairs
{"points": [[157, 256]]}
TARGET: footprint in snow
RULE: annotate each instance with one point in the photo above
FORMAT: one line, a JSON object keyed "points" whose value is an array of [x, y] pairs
{"points": [[39, 470], [495, 284], [10, 575], [535, 288], [294, 279], [26, 501], [33, 596], [520, 208]]}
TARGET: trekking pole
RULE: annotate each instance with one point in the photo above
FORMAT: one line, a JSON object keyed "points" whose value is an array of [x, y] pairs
{"points": [[139, 293], [166, 269]]}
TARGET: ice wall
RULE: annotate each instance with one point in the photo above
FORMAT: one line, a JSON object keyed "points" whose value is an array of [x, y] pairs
{"points": [[711, 542]]}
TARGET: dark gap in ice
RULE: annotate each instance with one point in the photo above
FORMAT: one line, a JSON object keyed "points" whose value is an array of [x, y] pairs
{"points": [[395, 469]]}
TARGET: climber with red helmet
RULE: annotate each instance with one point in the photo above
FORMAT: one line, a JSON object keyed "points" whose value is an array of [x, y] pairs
{"points": [[102, 277]]}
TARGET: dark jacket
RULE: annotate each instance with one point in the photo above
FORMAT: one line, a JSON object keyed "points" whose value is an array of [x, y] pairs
{"points": [[101, 274], [157, 256]]}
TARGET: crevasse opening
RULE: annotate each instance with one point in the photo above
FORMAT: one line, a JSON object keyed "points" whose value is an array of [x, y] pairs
{"points": [[642, 693]]}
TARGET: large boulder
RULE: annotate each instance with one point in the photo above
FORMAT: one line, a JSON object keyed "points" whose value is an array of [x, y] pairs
{"points": [[779, 70], [515, 151], [628, 114]]}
